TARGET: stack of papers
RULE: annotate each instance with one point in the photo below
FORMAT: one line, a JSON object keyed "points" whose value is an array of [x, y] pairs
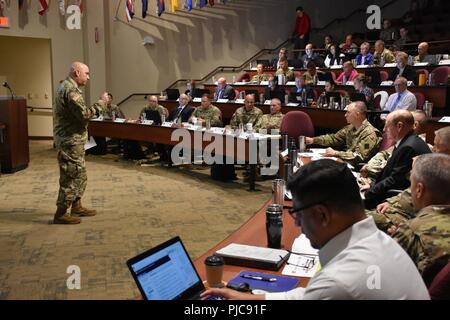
{"points": [[445, 120], [304, 259]]}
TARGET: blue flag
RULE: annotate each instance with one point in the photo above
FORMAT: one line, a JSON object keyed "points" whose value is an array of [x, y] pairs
{"points": [[203, 3], [189, 5], [144, 8], [161, 7]]}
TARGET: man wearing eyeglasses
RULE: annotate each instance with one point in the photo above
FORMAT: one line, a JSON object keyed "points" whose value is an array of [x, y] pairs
{"points": [[330, 212]]}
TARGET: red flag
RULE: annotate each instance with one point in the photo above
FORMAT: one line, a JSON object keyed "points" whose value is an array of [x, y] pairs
{"points": [[211, 2], [43, 6], [80, 5], [21, 3]]}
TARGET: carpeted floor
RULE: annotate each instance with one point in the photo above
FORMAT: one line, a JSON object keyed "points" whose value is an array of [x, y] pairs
{"points": [[139, 207]]}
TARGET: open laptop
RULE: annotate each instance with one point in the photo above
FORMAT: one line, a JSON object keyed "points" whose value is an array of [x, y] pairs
{"points": [[166, 272], [173, 94]]}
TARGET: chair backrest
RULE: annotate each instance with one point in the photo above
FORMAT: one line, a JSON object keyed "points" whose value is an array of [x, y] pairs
{"points": [[243, 76], [237, 93], [440, 75], [376, 102], [387, 142], [420, 97], [384, 76], [296, 124], [440, 287], [384, 98]]}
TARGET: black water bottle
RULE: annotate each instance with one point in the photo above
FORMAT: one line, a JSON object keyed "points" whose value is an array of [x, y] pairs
{"points": [[274, 225]]}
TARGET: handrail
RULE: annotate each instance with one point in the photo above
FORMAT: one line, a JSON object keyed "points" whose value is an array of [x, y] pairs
{"points": [[137, 94]]}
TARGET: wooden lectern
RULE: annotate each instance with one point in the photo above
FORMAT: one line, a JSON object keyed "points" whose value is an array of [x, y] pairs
{"points": [[14, 147]]}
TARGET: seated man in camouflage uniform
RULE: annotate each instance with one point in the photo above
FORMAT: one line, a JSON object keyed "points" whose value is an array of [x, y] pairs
{"points": [[154, 111], [246, 114], [360, 139], [206, 111], [273, 120], [399, 209], [260, 76], [426, 238], [71, 117], [284, 70]]}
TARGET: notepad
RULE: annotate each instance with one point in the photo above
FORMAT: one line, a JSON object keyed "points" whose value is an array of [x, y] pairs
{"points": [[445, 120], [282, 284], [253, 257]]}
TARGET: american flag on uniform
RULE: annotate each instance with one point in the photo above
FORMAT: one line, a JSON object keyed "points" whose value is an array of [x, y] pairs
{"points": [[129, 9]]}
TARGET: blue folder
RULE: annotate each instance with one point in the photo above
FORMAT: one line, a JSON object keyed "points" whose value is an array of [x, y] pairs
{"points": [[282, 284]]}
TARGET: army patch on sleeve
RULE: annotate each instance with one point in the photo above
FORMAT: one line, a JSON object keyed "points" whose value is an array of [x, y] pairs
{"points": [[366, 146], [74, 96]]}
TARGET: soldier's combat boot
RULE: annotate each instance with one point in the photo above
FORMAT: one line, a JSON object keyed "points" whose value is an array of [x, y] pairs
{"points": [[62, 217], [79, 211]]}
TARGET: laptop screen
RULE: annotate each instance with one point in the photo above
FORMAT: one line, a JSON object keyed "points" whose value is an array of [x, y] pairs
{"points": [[165, 272]]}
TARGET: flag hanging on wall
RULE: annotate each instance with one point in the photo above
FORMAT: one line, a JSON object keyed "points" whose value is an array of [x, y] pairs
{"points": [[21, 3], [211, 2], [144, 8], [129, 9], [43, 6], [62, 7], [161, 7], [173, 5], [202, 3], [189, 5]]}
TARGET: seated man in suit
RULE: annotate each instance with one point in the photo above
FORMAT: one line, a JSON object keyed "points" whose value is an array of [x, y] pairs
{"points": [[365, 57], [426, 237], [403, 69], [423, 55], [184, 112], [260, 75], [273, 90], [224, 90], [399, 209], [359, 139], [402, 99], [309, 55], [284, 70], [300, 90], [399, 127], [349, 74]]}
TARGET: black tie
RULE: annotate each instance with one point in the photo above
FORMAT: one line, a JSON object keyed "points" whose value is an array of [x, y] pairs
{"points": [[180, 108]]}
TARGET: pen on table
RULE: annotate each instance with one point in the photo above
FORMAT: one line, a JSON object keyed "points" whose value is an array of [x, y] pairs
{"points": [[249, 276]]}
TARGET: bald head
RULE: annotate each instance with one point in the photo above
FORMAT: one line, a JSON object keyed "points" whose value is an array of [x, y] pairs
{"points": [[442, 141], [356, 113], [422, 49], [79, 72], [399, 124], [420, 121]]}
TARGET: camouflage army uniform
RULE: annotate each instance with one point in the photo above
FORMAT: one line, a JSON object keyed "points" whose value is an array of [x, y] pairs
{"points": [[107, 113], [378, 162], [289, 74], [70, 122], [258, 78], [426, 239], [400, 211], [161, 110], [361, 143], [243, 116], [269, 122], [212, 113], [387, 55]]}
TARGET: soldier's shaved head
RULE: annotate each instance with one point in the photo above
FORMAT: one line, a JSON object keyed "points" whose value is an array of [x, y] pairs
{"points": [[420, 121], [442, 141], [430, 180], [356, 113], [79, 72]]}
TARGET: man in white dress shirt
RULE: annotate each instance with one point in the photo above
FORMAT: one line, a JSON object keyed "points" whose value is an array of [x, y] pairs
{"points": [[358, 261], [402, 99]]}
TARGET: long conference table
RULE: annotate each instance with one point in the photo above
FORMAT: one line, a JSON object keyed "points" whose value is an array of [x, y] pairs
{"points": [[439, 95], [253, 232], [241, 150], [324, 120]]}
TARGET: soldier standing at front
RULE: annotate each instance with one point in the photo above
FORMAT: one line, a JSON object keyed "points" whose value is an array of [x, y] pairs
{"points": [[70, 121]]}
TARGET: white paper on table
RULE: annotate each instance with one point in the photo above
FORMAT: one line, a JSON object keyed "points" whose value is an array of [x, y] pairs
{"points": [[294, 267], [390, 65], [197, 100], [318, 151], [320, 83], [362, 66], [264, 83], [444, 62], [421, 64], [291, 104], [167, 124], [290, 83], [241, 101], [336, 67], [90, 144], [120, 120], [222, 100], [147, 122], [267, 102], [445, 120], [387, 83]]}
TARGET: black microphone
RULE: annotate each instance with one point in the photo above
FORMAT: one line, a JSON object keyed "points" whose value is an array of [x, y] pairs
{"points": [[6, 85]]}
